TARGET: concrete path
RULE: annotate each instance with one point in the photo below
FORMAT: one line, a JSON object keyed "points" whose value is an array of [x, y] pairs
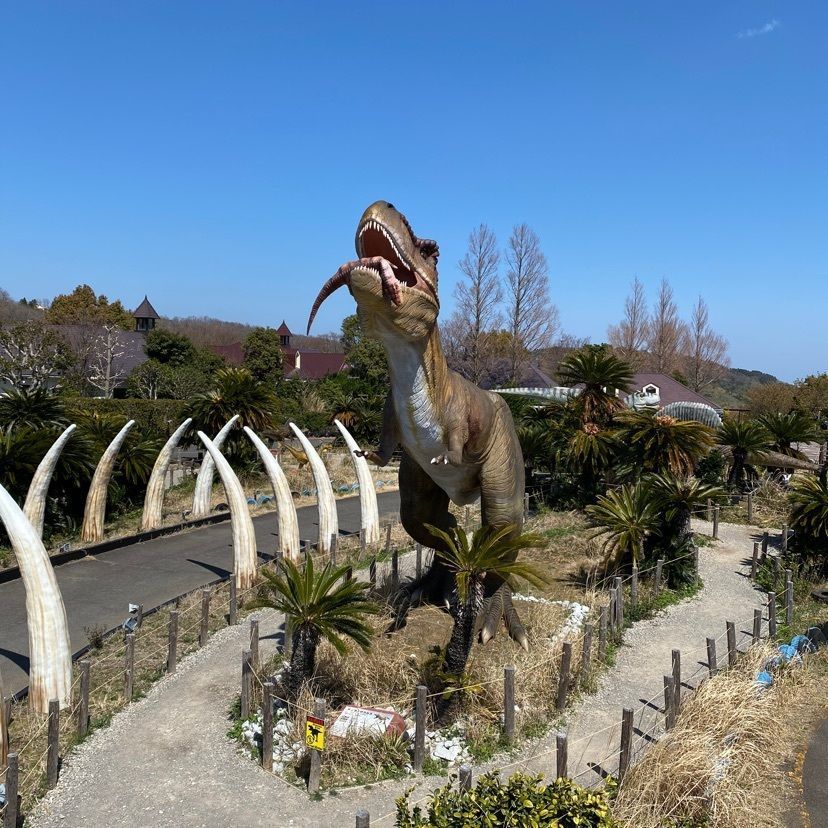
{"points": [[166, 761], [97, 590], [815, 777]]}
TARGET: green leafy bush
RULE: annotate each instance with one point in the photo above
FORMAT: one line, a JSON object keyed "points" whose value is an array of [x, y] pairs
{"points": [[522, 802]]}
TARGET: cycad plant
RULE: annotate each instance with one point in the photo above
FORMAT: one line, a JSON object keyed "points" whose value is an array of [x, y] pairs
{"points": [[600, 374], [809, 520], [485, 562], [655, 443], [747, 441], [787, 429], [588, 453], [318, 604], [625, 517], [34, 409]]}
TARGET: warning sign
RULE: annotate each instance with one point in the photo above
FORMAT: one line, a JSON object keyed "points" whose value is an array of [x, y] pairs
{"points": [[315, 733]]}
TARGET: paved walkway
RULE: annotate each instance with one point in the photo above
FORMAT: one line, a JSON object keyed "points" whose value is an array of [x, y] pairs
{"points": [[166, 762], [97, 590]]}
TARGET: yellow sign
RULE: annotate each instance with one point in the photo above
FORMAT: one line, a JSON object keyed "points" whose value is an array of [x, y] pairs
{"points": [[315, 733]]}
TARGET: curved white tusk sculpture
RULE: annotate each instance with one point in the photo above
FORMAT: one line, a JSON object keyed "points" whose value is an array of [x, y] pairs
{"points": [[369, 511], [94, 514], [4, 734], [154, 500], [35, 506], [204, 478], [50, 651], [244, 536], [285, 507], [328, 518]]}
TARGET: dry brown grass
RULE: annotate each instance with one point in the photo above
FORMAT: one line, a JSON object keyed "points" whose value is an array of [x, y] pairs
{"points": [[728, 743]]}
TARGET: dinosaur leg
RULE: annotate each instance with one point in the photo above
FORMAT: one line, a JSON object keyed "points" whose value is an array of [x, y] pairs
{"points": [[501, 504], [422, 501]]}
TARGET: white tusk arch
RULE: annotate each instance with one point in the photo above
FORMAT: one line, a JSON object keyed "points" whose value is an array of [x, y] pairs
{"points": [[326, 503], [244, 535], [50, 651], [285, 507], [35, 506], [94, 514], [154, 499], [369, 511], [204, 478]]}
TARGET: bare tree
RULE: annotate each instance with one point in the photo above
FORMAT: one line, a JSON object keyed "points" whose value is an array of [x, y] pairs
{"points": [[478, 297], [104, 367], [629, 336], [705, 355], [532, 319], [667, 332], [31, 355]]}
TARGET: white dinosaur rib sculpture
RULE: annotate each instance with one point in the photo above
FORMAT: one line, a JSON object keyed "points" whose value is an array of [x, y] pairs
{"points": [[35, 506], [50, 651], [4, 735], [204, 479], [369, 513], [94, 514], [154, 499], [328, 519], [285, 508], [244, 536]]}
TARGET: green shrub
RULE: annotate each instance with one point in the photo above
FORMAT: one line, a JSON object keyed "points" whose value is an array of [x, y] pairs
{"points": [[155, 418], [522, 802]]}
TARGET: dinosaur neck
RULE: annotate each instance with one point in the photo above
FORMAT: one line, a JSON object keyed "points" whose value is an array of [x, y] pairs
{"points": [[417, 368]]}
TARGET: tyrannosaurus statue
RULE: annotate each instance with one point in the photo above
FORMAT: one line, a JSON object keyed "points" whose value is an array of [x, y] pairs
{"points": [[459, 441]]}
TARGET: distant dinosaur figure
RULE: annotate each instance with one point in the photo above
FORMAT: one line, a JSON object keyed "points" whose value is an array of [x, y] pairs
{"points": [[302, 458]]}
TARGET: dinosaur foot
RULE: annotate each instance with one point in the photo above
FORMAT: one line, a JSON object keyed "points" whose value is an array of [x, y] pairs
{"points": [[498, 606]]}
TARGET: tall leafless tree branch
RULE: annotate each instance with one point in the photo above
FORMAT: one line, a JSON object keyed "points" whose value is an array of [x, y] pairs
{"points": [[706, 357], [629, 336], [667, 333]]}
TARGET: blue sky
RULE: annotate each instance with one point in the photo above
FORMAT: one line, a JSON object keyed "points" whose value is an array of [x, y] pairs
{"points": [[217, 155]]}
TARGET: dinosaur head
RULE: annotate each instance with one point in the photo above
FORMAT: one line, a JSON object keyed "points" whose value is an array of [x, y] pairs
{"points": [[394, 280]]}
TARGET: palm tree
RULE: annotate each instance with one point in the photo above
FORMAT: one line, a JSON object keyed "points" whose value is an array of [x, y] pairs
{"points": [[487, 557], [748, 441], [534, 443], [236, 392], [318, 604], [601, 374], [809, 518], [589, 452], [626, 516], [344, 405], [656, 443], [787, 429], [32, 409]]}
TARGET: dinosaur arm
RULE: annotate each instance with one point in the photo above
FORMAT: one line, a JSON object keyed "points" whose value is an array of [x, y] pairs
{"points": [[456, 440], [390, 436]]}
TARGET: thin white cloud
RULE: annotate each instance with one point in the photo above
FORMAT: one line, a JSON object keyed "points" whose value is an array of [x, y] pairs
{"points": [[762, 30]]}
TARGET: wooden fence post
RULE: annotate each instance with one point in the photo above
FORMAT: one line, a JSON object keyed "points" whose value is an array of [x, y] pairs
{"points": [[757, 625], [613, 613], [602, 635], [731, 644], [388, 528], [784, 539], [204, 630], [676, 681], [509, 702], [765, 540], [716, 522], [139, 616], [395, 571], [669, 703], [83, 704], [465, 778], [789, 599], [754, 564], [634, 586], [334, 541], [658, 571], [172, 651], [586, 652], [53, 741], [254, 642], [129, 666], [563, 678], [246, 684], [12, 781], [619, 604], [562, 755], [372, 572], [267, 726], [363, 819], [233, 614], [712, 662], [418, 548], [315, 775], [421, 712], [709, 510], [772, 615], [750, 507], [626, 742]]}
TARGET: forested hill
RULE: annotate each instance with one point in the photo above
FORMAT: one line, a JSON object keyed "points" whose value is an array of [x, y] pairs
{"points": [[731, 390]]}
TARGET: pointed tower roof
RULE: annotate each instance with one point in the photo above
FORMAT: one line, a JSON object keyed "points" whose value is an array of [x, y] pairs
{"points": [[283, 330], [145, 310]]}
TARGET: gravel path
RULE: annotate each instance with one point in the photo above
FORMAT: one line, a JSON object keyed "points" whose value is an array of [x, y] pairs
{"points": [[166, 762]]}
